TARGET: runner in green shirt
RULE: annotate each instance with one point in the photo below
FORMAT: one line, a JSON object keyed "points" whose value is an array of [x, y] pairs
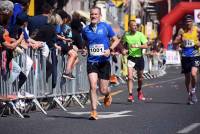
{"points": [[135, 41]]}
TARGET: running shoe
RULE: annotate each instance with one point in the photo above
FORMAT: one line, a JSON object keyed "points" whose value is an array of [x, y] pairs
{"points": [[192, 99], [190, 102], [107, 100], [141, 96], [93, 115], [68, 76], [29, 95], [20, 96], [130, 98]]}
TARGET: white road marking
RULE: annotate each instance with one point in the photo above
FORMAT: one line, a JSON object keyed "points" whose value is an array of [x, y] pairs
{"points": [[105, 115], [188, 128], [161, 82]]}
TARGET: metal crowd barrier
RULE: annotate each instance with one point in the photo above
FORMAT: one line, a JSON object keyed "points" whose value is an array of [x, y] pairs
{"points": [[37, 85], [154, 67]]}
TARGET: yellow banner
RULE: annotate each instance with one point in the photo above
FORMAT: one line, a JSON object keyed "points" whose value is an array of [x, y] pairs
{"points": [[31, 9], [126, 18], [118, 2]]}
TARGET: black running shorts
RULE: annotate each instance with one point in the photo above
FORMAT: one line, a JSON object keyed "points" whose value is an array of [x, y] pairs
{"points": [[103, 69], [188, 62], [139, 62]]}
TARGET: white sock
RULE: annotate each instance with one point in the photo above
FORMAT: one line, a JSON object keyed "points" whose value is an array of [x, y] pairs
{"points": [[193, 90]]}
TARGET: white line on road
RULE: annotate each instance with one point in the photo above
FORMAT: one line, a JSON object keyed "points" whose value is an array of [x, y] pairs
{"points": [[188, 128], [106, 115], [161, 82]]}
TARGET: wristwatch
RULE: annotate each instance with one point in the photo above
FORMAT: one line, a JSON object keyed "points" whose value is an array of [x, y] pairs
{"points": [[111, 49]]}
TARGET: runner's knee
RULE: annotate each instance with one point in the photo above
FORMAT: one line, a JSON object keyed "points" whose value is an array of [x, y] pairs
{"points": [[130, 78], [141, 78]]}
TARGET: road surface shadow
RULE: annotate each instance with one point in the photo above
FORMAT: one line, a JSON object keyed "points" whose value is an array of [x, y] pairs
{"points": [[166, 102], [69, 117], [150, 102]]}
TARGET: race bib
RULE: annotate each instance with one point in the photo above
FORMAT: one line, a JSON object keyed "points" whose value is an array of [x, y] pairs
{"points": [[130, 63], [188, 43], [96, 49]]}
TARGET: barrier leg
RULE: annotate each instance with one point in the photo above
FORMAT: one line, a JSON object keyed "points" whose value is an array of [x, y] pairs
{"points": [[99, 103], [77, 100], [122, 81], [71, 98], [15, 109], [3, 109], [39, 106], [84, 98], [59, 103]]}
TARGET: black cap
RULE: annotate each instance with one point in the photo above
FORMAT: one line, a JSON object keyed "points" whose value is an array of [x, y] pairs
{"points": [[188, 18]]}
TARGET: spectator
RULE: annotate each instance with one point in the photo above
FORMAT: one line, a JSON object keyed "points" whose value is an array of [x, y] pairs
{"points": [[38, 21], [64, 44], [76, 30], [6, 10], [19, 8]]}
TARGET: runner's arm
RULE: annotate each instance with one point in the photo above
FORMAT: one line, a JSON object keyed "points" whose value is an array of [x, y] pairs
{"points": [[144, 46], [115, 42]]}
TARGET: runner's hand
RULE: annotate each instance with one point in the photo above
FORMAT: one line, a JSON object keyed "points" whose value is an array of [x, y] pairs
{"points": [[84, 52], [107, 52], [124, 51], [134, 46]]}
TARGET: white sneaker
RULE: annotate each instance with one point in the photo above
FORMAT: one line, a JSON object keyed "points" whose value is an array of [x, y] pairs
{"points": [[20, 96], [20, 105], [28, 95], [194, 97]]}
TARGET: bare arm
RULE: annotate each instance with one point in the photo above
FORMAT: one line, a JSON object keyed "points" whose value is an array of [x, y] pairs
{"points": [[177, 40], [64, 39], [14, 44], [115, 42], [84, 49], [144, 46]]}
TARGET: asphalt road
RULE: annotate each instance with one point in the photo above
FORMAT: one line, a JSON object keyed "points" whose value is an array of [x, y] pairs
{"points": [[166, 113]]}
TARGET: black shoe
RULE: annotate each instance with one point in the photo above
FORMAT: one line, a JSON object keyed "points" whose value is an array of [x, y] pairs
{"points": [[68, 76]]}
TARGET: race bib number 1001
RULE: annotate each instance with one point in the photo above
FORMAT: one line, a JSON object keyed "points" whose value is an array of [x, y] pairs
{"points": [[96, 49]]}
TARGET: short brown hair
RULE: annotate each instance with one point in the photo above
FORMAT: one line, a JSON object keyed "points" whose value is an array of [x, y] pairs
{"points": [[131, 21], [95, 7]]}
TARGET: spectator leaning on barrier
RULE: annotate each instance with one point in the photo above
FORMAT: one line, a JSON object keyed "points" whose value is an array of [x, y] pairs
{"points": [[97, 37], [190, 61], [6, 10], [67, 30], [65, 45], [36, 22], [77, 27], [20, 7], [8, 44], [47, 33], [136, 41]]}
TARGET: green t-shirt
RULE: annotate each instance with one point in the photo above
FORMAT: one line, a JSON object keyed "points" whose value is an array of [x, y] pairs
{"points": [[137, 39]]}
